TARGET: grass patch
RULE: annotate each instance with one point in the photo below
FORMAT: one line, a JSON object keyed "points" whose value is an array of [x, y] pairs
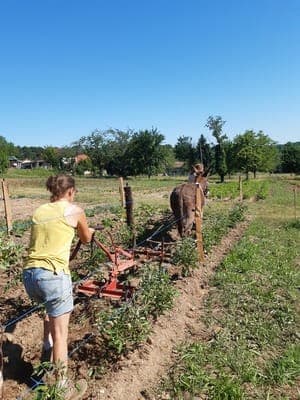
{"points": [[252, 313]]}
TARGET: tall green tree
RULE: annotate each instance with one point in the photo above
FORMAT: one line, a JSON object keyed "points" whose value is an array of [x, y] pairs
{"points": [[204, 153], [116, 151], [145, 153], [215, 125], [185, 151], [269, 154], [290, 158]]}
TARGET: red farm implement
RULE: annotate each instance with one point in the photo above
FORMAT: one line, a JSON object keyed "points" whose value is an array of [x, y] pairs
{"points": [[119, 261]]}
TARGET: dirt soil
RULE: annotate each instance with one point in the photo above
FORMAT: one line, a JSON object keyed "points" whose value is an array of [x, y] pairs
{"points": [[135, 376]]}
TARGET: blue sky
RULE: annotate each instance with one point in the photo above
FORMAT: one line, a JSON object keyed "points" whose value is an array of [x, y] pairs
{"points": [[68, 67]]}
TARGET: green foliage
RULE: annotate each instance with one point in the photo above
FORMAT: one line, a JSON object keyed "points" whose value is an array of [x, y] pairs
{"points": [[236, 214], [127, 153], [215, 125], [156, 294], [185, 151], [52, 156], [290, 158], [186, 255], [205, 153], [21, 226], [258, 189], [124, 328], [145, 154], [286, 368], [217, 223], [127, 326], [254, 152], [52, 391], [4, 150], [252, 318], [10, 252]]}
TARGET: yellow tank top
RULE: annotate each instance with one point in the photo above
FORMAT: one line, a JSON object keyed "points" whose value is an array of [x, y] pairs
{"points": [[51, 238]]}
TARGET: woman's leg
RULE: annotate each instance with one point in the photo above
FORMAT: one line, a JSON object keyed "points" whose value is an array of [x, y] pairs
{"points": [[59, 327]]}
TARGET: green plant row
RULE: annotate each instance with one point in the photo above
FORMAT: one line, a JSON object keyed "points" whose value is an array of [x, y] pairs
{"points": [[253, 317], [217, 223], [231, 190], [123, 328]]}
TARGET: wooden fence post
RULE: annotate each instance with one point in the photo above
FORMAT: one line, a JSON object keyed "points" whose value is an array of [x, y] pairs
{"points": [[241, 187], [129, 205], [129, 212], [7, 206], [121, 190], [295, 202], [198, 223]]}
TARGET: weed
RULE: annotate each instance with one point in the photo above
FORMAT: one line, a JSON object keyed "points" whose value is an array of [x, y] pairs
{"points": [[286, 368], [186, 255], [236, 214]]}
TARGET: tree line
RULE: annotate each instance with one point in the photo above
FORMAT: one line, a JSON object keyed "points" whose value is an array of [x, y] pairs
{"points": [[133, 153]]}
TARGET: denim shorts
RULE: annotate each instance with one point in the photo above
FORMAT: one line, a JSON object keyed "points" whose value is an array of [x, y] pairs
{"points": [[54, 290]]}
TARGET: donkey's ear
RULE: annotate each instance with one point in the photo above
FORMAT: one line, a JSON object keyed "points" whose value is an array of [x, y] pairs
{"points": [[207, 171]]}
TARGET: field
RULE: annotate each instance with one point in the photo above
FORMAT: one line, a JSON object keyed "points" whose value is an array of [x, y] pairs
{"points": [[225, 329]]}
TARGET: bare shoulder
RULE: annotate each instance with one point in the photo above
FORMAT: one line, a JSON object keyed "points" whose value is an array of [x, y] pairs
{"points": [[72, 210], [73, 214]]}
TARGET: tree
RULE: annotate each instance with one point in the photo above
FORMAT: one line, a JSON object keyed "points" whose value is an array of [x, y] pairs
{"points": [[29, 152], [4, 149], [269, 155], [254, 152], [116, 151], [290, 158], [145, 154], [51, 155], [185, 151], [230, 157], [168, 159], [205, 153], [94, 146], [215, 125], [3, 160]]}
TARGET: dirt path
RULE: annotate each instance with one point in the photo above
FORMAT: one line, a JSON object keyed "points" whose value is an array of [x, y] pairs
{"points": [[142, 371]]}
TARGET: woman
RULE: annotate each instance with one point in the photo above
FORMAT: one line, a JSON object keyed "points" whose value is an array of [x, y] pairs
{"points": [[196, 170], [46, 273]]}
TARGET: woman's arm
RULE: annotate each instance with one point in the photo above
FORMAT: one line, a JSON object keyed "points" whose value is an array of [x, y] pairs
{"points": [[76, 217], [84, 232]]}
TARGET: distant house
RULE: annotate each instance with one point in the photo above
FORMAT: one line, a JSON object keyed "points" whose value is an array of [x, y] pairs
{"points": [[178, 168], [30, 164], [70, 162], [14, 162], [81, 157]]}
